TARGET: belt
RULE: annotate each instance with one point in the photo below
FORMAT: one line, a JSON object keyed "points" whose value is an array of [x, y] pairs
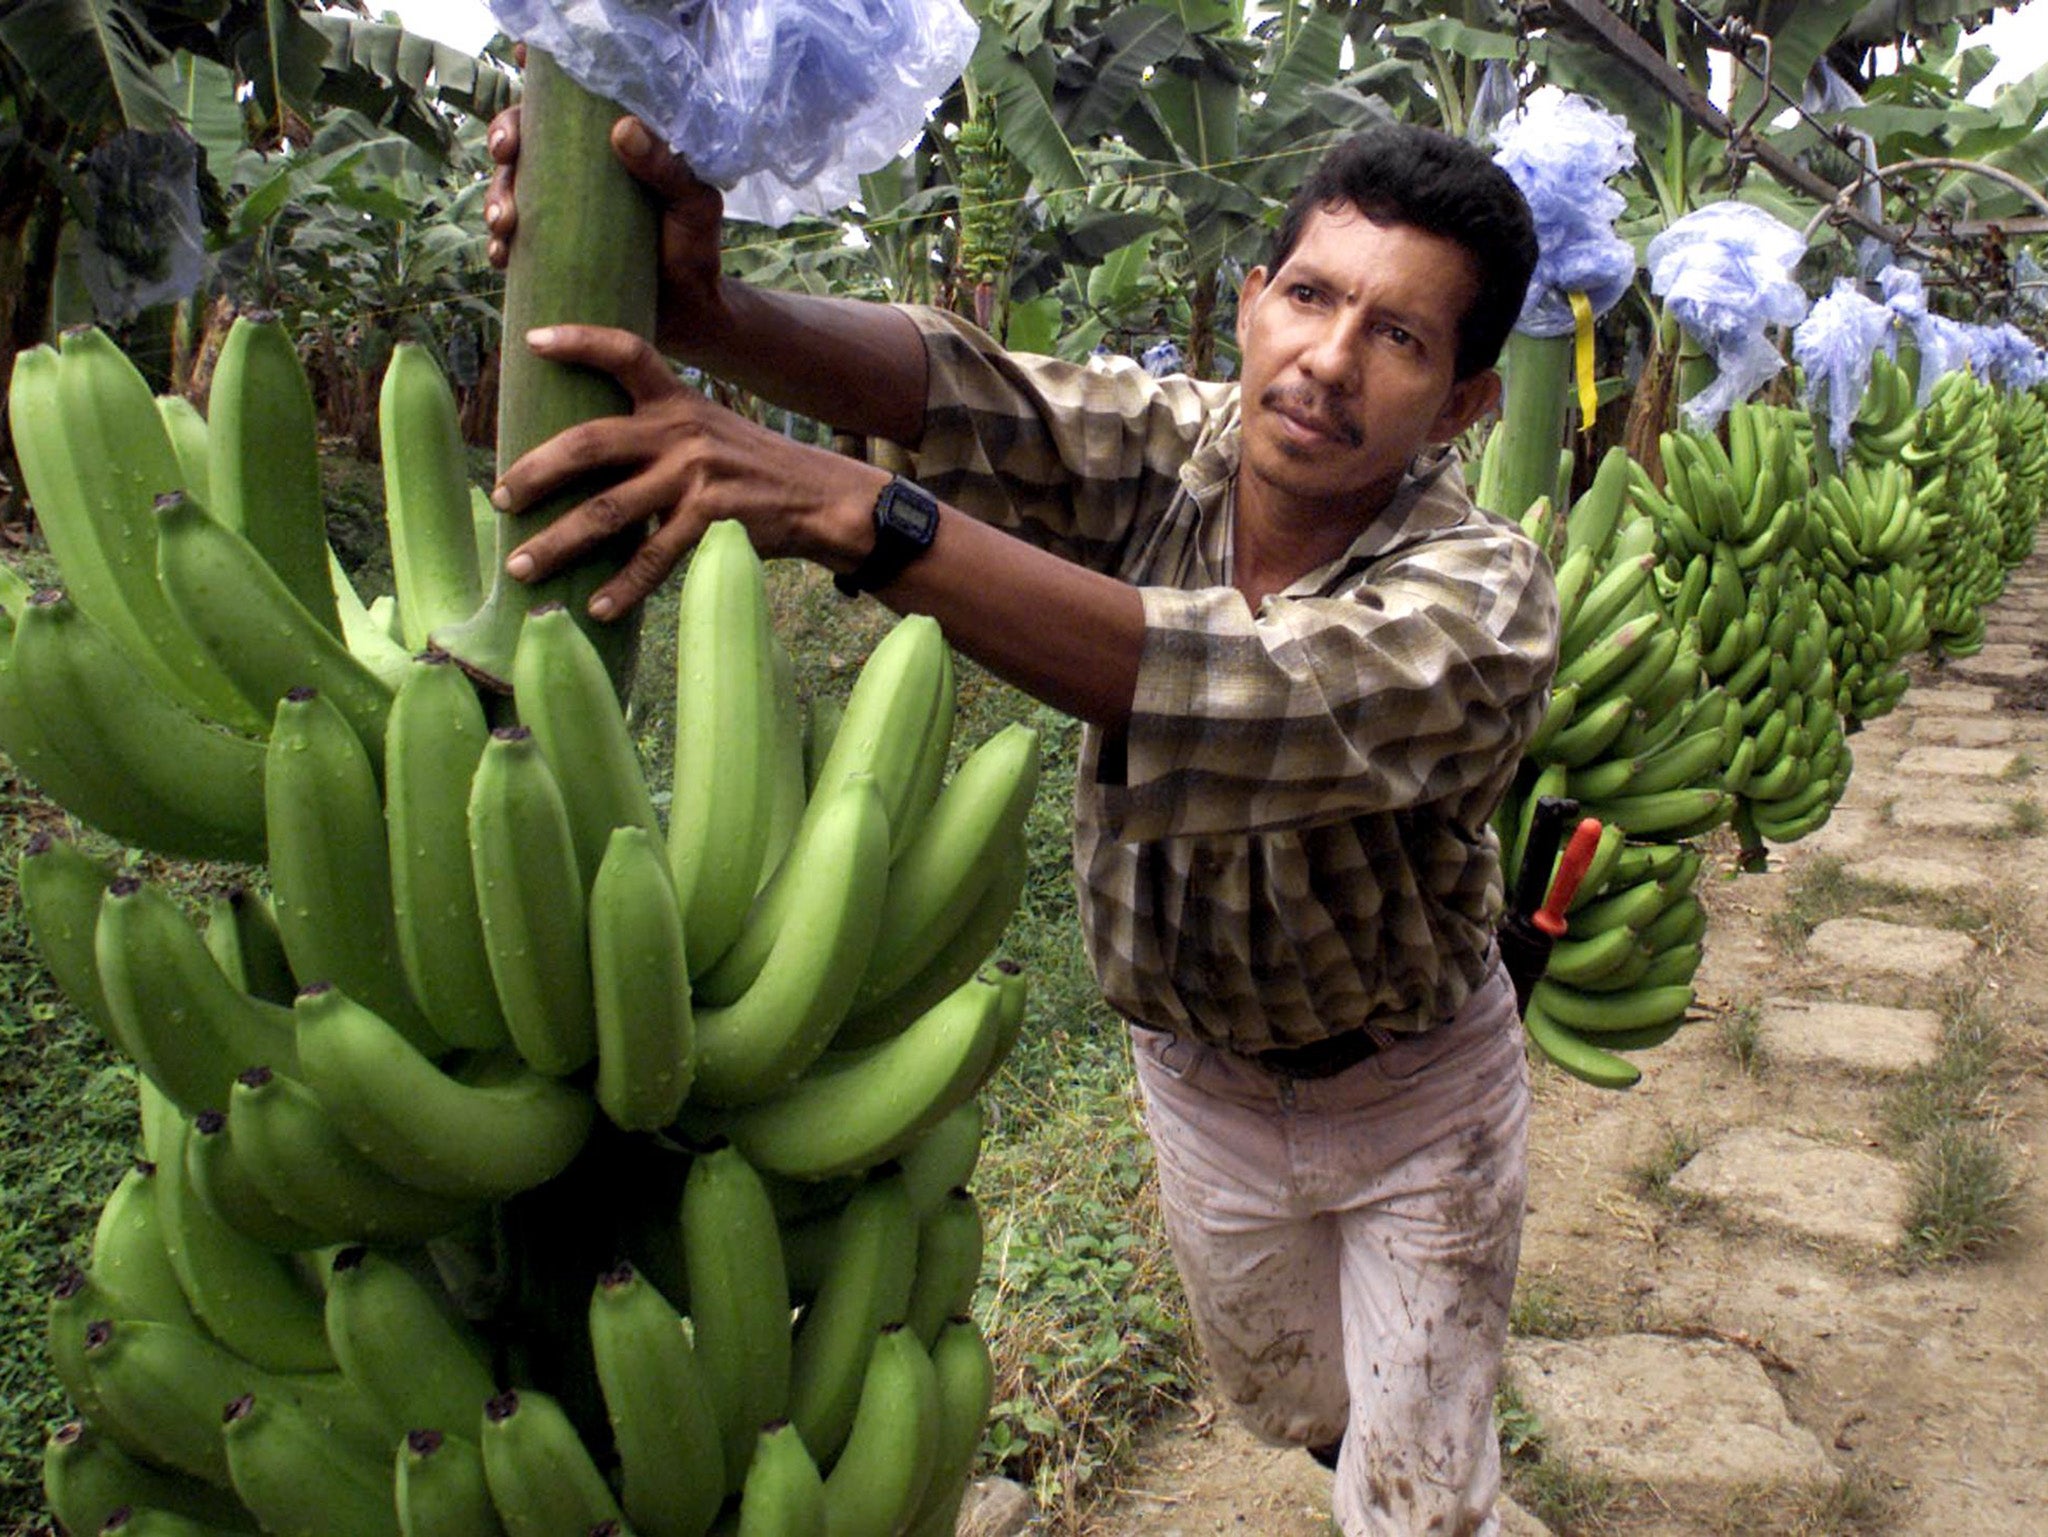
{"points": [[1322, 1059]]}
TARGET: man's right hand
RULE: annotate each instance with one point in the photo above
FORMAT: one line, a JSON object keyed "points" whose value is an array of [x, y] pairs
{"points": [[691, 313]]}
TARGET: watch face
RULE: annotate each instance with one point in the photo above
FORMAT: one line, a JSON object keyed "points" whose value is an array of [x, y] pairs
{"points": [[907, 511]]}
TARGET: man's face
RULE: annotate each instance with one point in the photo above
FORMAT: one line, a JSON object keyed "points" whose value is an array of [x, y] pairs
{"points": [[1349, 354]]}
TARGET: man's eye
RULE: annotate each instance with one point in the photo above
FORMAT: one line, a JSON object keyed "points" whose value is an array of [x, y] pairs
{"points": [[1398, 336], [1303, 293]]}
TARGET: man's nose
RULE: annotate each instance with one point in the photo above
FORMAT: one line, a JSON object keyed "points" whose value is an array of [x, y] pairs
{"points": [[1331, 357]]}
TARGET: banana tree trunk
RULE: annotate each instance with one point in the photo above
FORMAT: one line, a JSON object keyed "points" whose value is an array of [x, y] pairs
{"points": [[586, 253]]}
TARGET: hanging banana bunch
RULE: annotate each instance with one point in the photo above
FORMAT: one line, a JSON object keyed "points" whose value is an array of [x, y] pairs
{"points": [[2023, 455], [1636, 736], [494, 1017], [1733, 521], [1954, 454]]}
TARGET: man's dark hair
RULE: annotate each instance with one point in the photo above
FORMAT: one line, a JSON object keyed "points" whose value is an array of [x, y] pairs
{"points": [[1403, 173]]}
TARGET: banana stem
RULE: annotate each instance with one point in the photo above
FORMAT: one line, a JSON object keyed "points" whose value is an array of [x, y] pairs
{"points": [[1538, 375], [586, 252]]}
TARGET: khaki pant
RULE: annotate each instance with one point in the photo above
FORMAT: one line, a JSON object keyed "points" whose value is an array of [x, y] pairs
{"points": [[1348, 1246]]}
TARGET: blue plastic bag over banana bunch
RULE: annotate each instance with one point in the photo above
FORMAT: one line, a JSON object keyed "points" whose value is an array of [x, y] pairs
{"points": [[1725, 272], [1943, 344], [1560, 150], [2006, 356], [145, 242], [784, 104], [1834, 345]]}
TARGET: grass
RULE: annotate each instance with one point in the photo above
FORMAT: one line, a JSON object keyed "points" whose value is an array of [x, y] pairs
{"points": [[1079, 1298], [1674, 1149], [1946, 1121], [1541, 1310], [1741, 1035], [1565, 1497], [1857, 1504]]}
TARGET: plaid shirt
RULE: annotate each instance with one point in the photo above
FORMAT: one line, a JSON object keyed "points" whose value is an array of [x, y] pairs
{"points": [[1291, 840]]}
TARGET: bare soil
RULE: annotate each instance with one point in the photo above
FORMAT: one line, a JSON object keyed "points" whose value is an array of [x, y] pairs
{"points": [[1926, 1383]]}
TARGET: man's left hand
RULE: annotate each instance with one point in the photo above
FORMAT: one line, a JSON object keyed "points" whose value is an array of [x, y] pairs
{"points": [[682, 463]]}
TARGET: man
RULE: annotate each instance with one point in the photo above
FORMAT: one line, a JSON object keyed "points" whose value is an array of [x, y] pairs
{"points": [[1307, 669]]}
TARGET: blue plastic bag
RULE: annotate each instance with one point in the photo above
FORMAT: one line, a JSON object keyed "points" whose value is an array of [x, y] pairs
{"points": [[1834, 345], [1560, 150], [1725, 273], [1943, 344], [2005, 355], [784, 104]]}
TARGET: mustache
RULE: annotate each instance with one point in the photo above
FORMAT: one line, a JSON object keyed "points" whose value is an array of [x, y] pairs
{"points": [[1311, 406]]}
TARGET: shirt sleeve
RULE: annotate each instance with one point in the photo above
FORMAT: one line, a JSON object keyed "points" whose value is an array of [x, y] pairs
{"points": [[1415, 686], [1071, 456]]}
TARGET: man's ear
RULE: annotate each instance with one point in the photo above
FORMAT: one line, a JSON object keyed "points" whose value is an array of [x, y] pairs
{"points": [[1470, 399], [1254, 285]]}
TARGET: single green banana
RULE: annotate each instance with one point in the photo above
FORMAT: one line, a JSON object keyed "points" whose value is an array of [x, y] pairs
{"points": [[756, 1046], [440, 1489], [542, 1477], [161, 1389], [233, 1194], [967, 1387], [564, 696], [1683, 813], [882, 1475], [1593, 518], [530, 895], [426, 496], [254, 628], [94, 455], [330, 863], [783, 1495], [1593, 729], [870, 1105], [1576, 1055], [949, 1242], [866, 1283], [960, 957], [739, 1300], [191, 1029], [1578, 962], [251, 1298], [398, 1340], [432, 745], [1592, 1013], [242, 937], [87, 1477], [365, 628], [130, 1254], [640, 985], [664, 1426], [300, 1480], [888, 725], [935, 881], [263, 458], [61, 887], [302, 1161], [724, 740], [129, 758], [943, 1159], [482, 1141]]}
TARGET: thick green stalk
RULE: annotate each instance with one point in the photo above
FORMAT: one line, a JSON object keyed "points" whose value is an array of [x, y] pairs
{"points": [[586, 252], [1537, 375]]}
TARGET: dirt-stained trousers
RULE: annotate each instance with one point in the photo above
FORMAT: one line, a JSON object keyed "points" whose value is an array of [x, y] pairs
{"points": [[1348, 1247]]}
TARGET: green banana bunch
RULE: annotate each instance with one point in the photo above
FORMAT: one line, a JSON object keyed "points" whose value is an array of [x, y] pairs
{"points": [[1961, 489], [100, 736], [1866, 538], [2023, 456], [1887, 418], [95, 455], [787, 992]]}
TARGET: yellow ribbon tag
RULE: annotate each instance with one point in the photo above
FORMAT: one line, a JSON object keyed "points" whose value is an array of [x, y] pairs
{"points": [[1582, 352]]}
